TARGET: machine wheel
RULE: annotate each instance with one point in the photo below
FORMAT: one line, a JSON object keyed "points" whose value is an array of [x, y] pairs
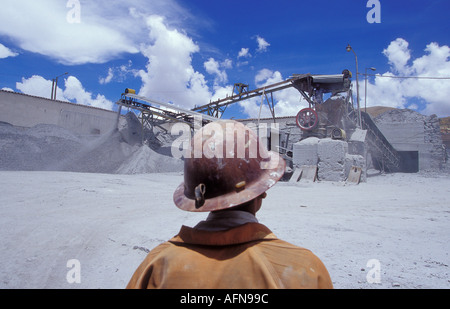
{"points": [[307, 119]]}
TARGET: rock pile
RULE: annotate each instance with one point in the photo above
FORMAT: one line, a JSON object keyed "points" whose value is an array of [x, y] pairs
{"points": [[50, 147]]}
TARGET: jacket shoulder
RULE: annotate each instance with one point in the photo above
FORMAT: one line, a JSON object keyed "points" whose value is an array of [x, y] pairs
{"points": [[141, 276], [296, 267]]}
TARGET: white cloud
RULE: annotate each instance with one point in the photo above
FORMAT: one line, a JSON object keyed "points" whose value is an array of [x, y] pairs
{"points": [[169, 75], [262, 44], [221, 92], [118, 73], [287, 102], [76, 92], [434, 94], [42, 27], [73, 92], [213, 67], [398, 55], [38, 86], [227, 64], [108, 78], [107, 29], [265, 76], [244, 53], [5, 52]]}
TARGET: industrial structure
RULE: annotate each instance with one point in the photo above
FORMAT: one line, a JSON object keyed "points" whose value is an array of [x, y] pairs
{"points": [[335, 118], [330, 139]]}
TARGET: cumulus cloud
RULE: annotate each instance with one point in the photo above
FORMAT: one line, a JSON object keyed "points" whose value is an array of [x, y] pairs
{"points": [[265, 77], [169, 74], [427, 96], [227, 64], [107, 79], [287, 102], [38, 86], [106, 29], [213, 67], [244, 53], [262, 44], [73, 91], [5, 52]]}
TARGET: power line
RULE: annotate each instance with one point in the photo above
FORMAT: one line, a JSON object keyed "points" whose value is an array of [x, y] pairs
{"points": [[416, 77]]}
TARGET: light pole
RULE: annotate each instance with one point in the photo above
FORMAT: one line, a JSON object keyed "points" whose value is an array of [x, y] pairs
{"points": [[349, 48], [55, 86], [365, 87]]}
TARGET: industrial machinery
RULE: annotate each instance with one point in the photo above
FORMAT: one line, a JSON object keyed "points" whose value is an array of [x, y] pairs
{"points": [[331, 112], [155, 113]]}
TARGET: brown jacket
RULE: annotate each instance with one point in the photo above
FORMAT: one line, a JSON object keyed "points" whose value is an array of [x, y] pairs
{"points": [[247, 256]]}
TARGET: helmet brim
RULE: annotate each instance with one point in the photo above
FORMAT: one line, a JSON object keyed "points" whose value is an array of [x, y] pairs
{"points": [[271, 173]]}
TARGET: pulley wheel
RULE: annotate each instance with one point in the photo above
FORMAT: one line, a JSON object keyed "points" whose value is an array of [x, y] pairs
{"points": [[307, 119]]}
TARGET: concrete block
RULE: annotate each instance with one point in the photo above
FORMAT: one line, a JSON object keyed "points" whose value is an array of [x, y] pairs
{"points": [[330, 150], [330, 171], [358, 135], [305, 152], [331, 155], [355, 160]]}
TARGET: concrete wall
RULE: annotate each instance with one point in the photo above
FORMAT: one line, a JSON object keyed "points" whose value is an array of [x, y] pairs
{"points": [[408, 130], [27, 111]]}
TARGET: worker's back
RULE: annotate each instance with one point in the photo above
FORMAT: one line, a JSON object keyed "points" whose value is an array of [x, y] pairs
{"points": [[245, 257]]}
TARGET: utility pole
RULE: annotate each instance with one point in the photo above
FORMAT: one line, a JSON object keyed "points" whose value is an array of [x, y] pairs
{"points": [[365, 88], [55, 86], [349, 48]]}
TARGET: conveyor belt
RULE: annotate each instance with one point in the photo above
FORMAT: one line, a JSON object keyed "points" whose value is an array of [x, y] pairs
{"points": [[164, 110], [383, 154]]}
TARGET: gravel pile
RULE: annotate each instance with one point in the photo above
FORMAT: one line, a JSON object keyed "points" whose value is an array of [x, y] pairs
{"points": [[53, 148]]}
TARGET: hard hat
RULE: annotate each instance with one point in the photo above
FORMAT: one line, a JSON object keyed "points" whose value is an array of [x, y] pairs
{"points": [[227, 166]]}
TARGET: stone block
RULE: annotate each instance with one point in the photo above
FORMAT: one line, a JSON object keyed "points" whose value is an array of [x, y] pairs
{"points": [[330, 150], [305, 152], [355, 160], [331, 155]]}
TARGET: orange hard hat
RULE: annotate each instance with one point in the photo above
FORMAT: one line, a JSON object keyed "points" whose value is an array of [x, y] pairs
{"points": [[227, 166]]}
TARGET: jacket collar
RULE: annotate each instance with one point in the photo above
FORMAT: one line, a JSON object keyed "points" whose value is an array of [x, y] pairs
{"points": [[225, 220], [238, 235]]}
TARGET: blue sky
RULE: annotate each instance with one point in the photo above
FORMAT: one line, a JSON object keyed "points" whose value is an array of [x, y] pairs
{"points": [[188, 52]]}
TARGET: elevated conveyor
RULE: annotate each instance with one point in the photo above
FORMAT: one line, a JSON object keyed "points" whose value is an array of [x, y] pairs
{"points": [[336, 112], [384, 156], [156, 112]]}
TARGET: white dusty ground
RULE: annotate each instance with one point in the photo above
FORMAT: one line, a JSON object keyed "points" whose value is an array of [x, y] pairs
{"points": [[108, 222]]}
